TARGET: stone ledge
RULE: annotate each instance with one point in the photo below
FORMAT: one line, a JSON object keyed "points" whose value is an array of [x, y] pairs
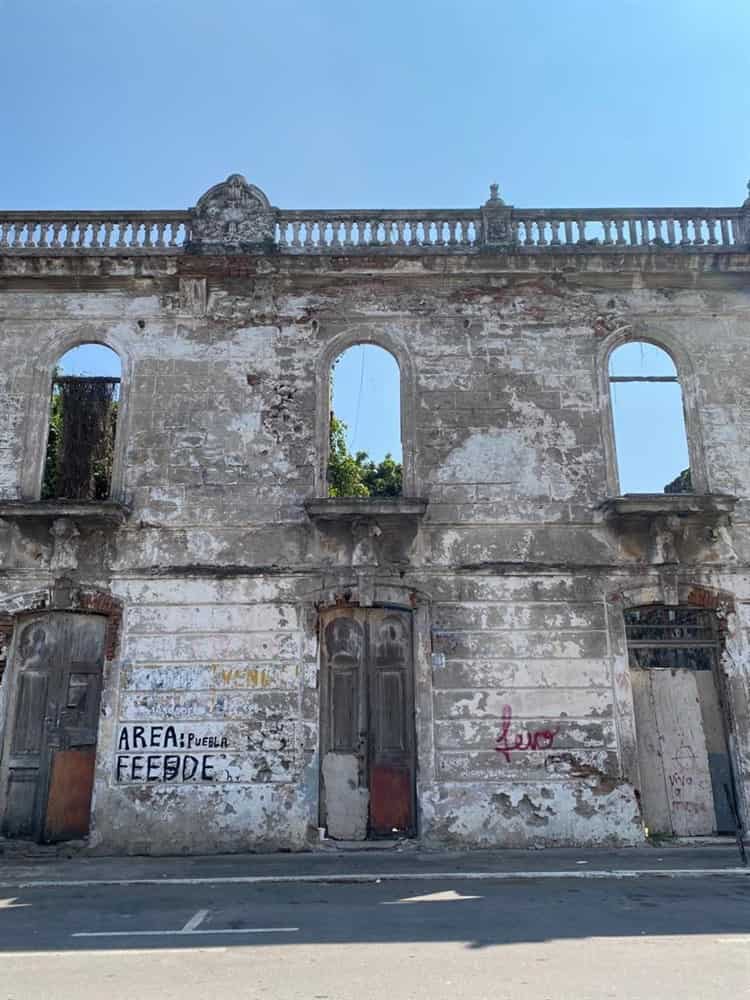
{"points": [[644, 505], [337, 508], [80, 510]]}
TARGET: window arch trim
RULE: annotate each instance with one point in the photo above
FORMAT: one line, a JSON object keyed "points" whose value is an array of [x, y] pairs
{"points": [[396, 347], [37, 423], [686, 379]]}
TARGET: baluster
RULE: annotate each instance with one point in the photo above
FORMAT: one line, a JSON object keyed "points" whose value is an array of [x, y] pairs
{"points": [[670, 231], [30, 233], [607, 226], [95, 228], [632, 233], [69, 230], [348, 226], [555, 227], [619, 230], [581, 224], [147, 232], [4, 227], [295, 234], [174, 234], [134, 233], [645, 236], [307, 242], [684, 231], [159, 242], [711, 226], [82, 234], [568, 231], [725, 237], [439, 235], [541, 233], [698, 230], [43, 227], [400, 226], [121, 228], [107, 242]]}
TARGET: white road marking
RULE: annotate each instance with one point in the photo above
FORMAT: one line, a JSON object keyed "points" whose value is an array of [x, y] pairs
{"points": [[184, 932], [624, 873], [195, 921]]}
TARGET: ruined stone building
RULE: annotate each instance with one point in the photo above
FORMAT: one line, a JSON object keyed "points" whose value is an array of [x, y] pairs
{"points": [[204, 651]]}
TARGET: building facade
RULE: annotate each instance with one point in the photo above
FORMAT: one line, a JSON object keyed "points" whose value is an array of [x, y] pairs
{"points": [[212, 654]]}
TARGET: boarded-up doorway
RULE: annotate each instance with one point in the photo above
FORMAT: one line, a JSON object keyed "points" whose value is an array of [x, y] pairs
{"points": [[367, 724], [686, 782], [50, 739]]}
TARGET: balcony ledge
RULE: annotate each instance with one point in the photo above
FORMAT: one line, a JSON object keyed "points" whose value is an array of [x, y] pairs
{"points": [[79, 510], [647, 505], [342, 508]]}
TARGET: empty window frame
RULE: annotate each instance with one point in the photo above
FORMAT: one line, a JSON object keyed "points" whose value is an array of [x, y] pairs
{"points": [[364, 438], [649, 420], [84, 404]]}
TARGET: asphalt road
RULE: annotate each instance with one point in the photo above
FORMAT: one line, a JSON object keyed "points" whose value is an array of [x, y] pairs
{"points": [[563, 940]]}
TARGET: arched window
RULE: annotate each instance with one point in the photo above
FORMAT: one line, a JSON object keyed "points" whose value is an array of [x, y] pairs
{"points": [[83, 416], [365, 453], [649, 420]]}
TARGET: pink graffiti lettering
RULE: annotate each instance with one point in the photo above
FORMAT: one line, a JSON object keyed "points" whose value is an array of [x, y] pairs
{"points": [[539, 739]]}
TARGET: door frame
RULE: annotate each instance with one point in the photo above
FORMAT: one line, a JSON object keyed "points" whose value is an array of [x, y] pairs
{"points": [[668, 591], [8, 707], [421, 696]]}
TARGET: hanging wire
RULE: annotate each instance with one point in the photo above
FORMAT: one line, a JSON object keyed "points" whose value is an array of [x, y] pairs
{"points": [[359, 399]]}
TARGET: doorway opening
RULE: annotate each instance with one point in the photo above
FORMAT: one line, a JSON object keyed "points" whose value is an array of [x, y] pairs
{"points": [[55, 677], [368, 741], [687, 788]]}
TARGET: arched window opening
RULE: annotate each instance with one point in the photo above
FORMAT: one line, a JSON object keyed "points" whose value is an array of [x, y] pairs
{"points": [[649, 421], [82, 424], [365, 454]]}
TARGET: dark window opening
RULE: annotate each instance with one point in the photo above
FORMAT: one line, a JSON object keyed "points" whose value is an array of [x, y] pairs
{"points": [[662, 637], [82, 428]]}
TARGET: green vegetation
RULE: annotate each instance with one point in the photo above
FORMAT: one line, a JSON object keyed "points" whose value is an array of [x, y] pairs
{"points": [[357, 475]]}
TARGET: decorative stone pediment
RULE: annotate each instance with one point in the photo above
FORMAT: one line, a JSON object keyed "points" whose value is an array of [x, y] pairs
{"points": [[233, 215]]}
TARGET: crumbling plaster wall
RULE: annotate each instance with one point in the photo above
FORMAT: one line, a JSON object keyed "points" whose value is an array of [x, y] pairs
{"points": [[220, 569]]}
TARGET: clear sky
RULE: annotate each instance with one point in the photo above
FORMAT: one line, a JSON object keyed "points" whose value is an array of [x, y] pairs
{"points": [[339, 103]]}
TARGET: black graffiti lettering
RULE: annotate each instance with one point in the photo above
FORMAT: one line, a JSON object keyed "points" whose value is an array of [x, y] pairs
{"points": [[207, 768], [122, 764], [155, 740], [139, 740], [189, 767], [123, 743], [171, 767], [170, 738], [136, 767], [154, 764]]}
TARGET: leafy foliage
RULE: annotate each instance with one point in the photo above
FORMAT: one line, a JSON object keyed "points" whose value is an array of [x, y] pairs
{"points": [[357, 475], [80, 443], [681, 484]]}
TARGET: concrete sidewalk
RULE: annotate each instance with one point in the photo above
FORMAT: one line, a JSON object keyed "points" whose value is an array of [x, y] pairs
{"points": [[399, 862]]}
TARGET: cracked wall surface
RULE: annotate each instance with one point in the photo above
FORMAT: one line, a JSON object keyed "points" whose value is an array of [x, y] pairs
{"points": [[524, 715]]}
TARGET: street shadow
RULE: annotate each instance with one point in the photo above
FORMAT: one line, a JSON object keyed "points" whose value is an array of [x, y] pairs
{"points": [[479, 914]]}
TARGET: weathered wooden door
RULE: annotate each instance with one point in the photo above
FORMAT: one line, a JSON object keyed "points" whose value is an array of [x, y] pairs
{"points": [[52, 724], [367, 734], [682, 750]]}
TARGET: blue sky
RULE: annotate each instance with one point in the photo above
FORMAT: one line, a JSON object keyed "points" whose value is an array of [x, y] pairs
{"points": [[325, 103]]}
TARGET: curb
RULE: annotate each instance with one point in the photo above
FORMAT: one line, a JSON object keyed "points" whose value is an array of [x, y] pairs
{"points": [[375, 877]]}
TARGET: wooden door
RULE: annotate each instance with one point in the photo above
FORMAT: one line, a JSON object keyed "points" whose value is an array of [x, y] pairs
{"points": [[52, 726], [367, 725]]}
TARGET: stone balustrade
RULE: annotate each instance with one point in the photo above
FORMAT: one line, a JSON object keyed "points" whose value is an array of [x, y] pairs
{"points": [[236, 217], [623, 228], [331, 230], [121, 232]]}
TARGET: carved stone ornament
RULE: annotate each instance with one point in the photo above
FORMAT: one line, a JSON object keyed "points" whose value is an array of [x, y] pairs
{"points": [[233, 215], [496, 221]]}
